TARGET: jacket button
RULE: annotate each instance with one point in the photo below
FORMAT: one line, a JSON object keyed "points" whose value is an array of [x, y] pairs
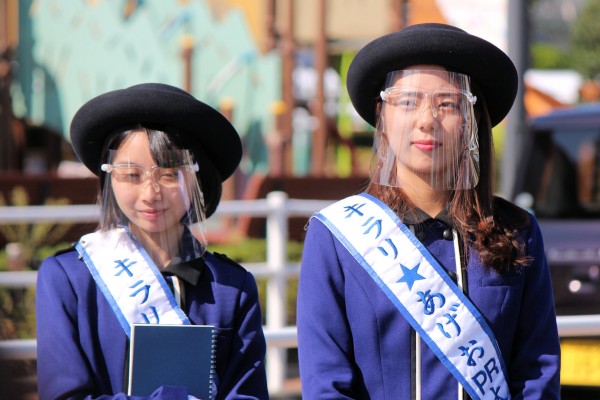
{"points": [[447, 234]]}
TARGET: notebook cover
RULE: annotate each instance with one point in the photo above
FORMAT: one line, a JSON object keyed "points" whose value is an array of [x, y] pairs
{"points": [[173, 355]]}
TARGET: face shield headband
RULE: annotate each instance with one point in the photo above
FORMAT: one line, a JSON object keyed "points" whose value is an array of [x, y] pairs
{"points": [[161, 204], [426, 132]]}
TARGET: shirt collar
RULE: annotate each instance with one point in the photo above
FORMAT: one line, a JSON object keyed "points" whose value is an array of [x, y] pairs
{"points": [[419, 216]]}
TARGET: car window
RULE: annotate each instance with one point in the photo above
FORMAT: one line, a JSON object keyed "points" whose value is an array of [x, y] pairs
{"points": [[561, 174]]}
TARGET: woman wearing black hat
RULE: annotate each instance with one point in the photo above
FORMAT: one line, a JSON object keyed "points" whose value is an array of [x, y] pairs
{"points": [[161, 156], [427, 286]]}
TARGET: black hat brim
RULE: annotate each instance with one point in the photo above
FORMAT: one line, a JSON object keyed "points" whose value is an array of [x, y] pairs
{"points": [[433, 44], [206, 130]]}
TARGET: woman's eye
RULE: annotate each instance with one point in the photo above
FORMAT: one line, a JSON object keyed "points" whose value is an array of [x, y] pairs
{"points": [[133, 177], [449, 102], [128, 174], [169, 174], [132, 173], [406, 102], [448, 105]]}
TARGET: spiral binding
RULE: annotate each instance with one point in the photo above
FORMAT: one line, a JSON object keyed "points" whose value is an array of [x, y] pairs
{"points": [[213, 365]]}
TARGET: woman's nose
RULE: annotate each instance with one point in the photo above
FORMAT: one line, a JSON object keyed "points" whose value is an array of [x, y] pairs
{"points": [[427, 104], [427, 114], [150, 182]]}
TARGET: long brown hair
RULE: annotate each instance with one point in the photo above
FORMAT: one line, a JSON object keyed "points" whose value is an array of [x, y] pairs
{"points": [[485, 223]]}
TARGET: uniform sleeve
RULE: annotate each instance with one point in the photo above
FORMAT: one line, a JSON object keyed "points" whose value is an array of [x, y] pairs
{"points": [[324, 338], [245, 377], [535, 366], [64, 371]]}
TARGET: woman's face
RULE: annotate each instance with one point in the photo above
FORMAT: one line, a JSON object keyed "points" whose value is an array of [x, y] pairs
{"points": [[423, 124], [149, 204]]}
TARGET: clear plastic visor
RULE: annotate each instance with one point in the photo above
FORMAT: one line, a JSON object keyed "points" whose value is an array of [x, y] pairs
{"points": [[158, 198], [426, 131]]}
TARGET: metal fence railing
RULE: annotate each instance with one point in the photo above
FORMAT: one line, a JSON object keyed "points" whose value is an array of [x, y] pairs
{"points": [[277, 208]]}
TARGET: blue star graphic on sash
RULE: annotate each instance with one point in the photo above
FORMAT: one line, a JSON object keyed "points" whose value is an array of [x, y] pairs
{"points": [[410, 275]]}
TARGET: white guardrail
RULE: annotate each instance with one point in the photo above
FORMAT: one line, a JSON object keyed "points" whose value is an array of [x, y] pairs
{"points": [[277, 208]]}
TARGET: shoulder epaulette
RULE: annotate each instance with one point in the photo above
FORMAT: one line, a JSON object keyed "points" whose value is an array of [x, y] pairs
{"points": [[228, 260]]}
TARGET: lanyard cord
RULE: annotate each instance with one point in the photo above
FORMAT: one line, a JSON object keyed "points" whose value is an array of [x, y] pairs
{"points": [[177, 290], [417, 365], [460, 283]]}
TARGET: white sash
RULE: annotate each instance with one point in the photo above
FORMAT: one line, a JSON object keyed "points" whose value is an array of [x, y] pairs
{"points": [[128, 278], [422, 291]]}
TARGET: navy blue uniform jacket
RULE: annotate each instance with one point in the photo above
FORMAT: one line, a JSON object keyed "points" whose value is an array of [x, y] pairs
{"points": [[82, 348], [353, 343]]}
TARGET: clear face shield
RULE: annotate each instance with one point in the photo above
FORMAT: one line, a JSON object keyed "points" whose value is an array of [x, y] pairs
{"points": [[158, 198], [426, 131]]}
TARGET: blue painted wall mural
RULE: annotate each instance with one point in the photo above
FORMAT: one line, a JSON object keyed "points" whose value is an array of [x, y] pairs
{"points": [[71, 51]]}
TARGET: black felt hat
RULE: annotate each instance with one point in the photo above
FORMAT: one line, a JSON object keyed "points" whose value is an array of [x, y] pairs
{"points": [[159, 106], [435, 44]]}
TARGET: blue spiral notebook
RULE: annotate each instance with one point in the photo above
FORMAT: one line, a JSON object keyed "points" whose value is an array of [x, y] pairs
{"points": [[172, 355]]}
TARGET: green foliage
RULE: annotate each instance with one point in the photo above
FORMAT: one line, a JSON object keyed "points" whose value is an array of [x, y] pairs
{"points": [[17, 305], [31, 237], [39, 255], [548, 56], [585, 40], [499, 135], [254, 251], [34, 243], [17, 313]]}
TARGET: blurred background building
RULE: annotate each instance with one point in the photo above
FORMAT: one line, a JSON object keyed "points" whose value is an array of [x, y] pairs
{"points": [[276, 68]]}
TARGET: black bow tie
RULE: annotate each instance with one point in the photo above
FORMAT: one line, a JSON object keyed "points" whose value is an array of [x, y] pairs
{"points": [[188, 271]]}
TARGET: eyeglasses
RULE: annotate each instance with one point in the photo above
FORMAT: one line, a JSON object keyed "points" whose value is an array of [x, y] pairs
{"points": [[167, 177], [441, 102]]}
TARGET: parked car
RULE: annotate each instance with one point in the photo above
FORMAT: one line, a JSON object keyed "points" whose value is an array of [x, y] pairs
{"points": [[559, 180]]}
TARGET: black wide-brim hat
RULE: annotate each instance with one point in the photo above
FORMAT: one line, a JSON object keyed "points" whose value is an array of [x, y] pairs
{"points": [[159, 106], [434, 44]]}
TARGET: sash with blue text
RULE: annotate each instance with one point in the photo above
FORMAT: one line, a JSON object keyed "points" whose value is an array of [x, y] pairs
{"points": [[129, 279], [422, 292]]}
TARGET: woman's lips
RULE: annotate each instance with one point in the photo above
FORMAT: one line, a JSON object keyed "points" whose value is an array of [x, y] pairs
{"points": [[151, 213], [426, 145]]}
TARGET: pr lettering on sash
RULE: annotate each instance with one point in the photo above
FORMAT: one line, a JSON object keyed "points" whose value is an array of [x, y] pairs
{"points": [[421, 291]]}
